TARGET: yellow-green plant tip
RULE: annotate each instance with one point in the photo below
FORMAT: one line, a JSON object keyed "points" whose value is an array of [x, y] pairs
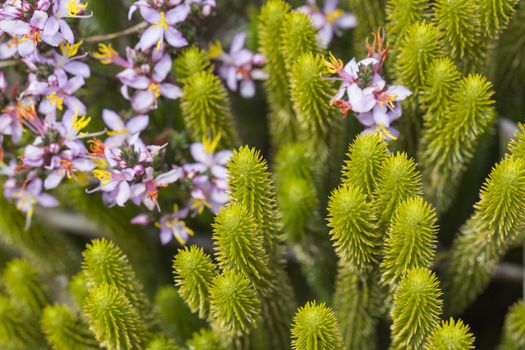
{"points": [[416, 311], [459, 24], [294, 161], [514, 328], [315, 328], [64, 330], [104, 262], [401, 14], [420, 46], [298, 36], [283, 124], [398, 180], [234, 303], [450, 335], [78, 288], [205, 339], [311, 95], [411, 240], [517, 145], [251, 184], [365, 156], [25, 286], [192, 60], [161, 343], [17, 331], [113, 319], [194, 272], [496, 14], [440, 83], [353, 232], [239, 245], [206, 110]]}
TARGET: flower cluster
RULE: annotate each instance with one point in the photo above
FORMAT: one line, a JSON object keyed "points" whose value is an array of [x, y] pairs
{"points": [[29, 23], [364, 91], [239, 67], [328, 20]]}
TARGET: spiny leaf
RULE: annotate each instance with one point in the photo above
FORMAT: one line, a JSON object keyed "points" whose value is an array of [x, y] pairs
{"points": [[192, 60], [411, 240], [398, 180], [194, 272], [416, 311], [517, 145], [78, 288], [16, 331], [496, 14], [25, 287], [365, 156], [234, 304], [440, 83], [448, 145], [421, 45], [161, 343], [351, 218], [401, 14], [370, 17], [113, 318], [239, 246], [205, 339], [294, 161], [298, 36], [514, 328], [315, 328], [206, 109], [450, 335], [104, 262], [459, 24], [64, 330], [283, 125]]}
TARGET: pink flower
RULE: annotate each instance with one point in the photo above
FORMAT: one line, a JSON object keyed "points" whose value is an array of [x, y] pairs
{"points": [[123, 132]]}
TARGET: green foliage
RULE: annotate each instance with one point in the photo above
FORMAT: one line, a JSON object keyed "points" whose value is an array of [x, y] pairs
{"points": [[239, 246], [206, 109], [450, 335], [417, 308], [283, 125], [177, 319], [298, 36], [64, 330], [191, 61], [448, 145], [250, 184], [194, 272], [78, 288], [355, 236], [365, 156], [105, 263], [16, 331], [234, 305], [161, 343], [459, 24], [371, 16], [204, 340], [517, 144], [311, 96], [25, 287], [411, 240], [398, 180], [113, 318], [440, 84], [514, 328], [315, 328], [401, 14], [420, 46], [496, 14], [495, 223]]}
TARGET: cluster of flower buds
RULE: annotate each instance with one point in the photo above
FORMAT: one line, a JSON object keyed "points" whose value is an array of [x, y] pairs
{"points": [[239, 67], [364, 91], [328, 20]]}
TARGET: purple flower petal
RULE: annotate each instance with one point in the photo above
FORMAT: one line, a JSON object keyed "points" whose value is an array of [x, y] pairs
{"points": [[199, 153], [237, 43], [47, 200], [73, 85], [170, 91], [53, 179], [151, 16], [112, 120], [169, 177], [78, 68], [325, 35], [367, 118], [66, 31], [142, 101], [39, 19], [137, 124], [123, 193], [83, 164], [16, 27], [175, 38], [52, 27], [360, 100], [347, 21], [162, 68], [150, 37], [247, 88], [399, 91], [178, 14], [74, 104]]}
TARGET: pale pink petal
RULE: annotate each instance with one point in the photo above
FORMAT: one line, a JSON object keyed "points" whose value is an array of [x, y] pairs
{"points": [[162, 68], [359, 101], [150, 37], [73, 85], [151, 16], [83, 164], [177, 15], [39, 19], [52, 27], [66, 31], [15, 27], [367, 118], [199, 153], [47, 200], [137, 124], [53, 179], [123, 193], [142, 101], [112, 120], [346, 21], [175, 38], [325, 35], [247, 88], [78, 68], [399, 91], [170, 91], [237, 43], [169, 177]]}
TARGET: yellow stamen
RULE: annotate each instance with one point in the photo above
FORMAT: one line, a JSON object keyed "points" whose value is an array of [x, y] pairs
{"points": [[75, 8], [215, 49], [103, 176], [162, 23], [100, 163], [386, 99], [383, 130], [56, 101], [70, 50], [333, 16], [200, 204], [155, 89], [105, 53], [333, 64], [80, 123], [117, 132], [211, 144]]}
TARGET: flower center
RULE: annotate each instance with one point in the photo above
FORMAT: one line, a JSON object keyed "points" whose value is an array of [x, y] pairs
{"points": [[75, 8], [385, 99], [384, 131], [155, 89], [333, 64], [333, 16], [56, 101], [162, 23], [105, 53], [68, 49], [67, 166], [103, 176], [80, 123]]}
